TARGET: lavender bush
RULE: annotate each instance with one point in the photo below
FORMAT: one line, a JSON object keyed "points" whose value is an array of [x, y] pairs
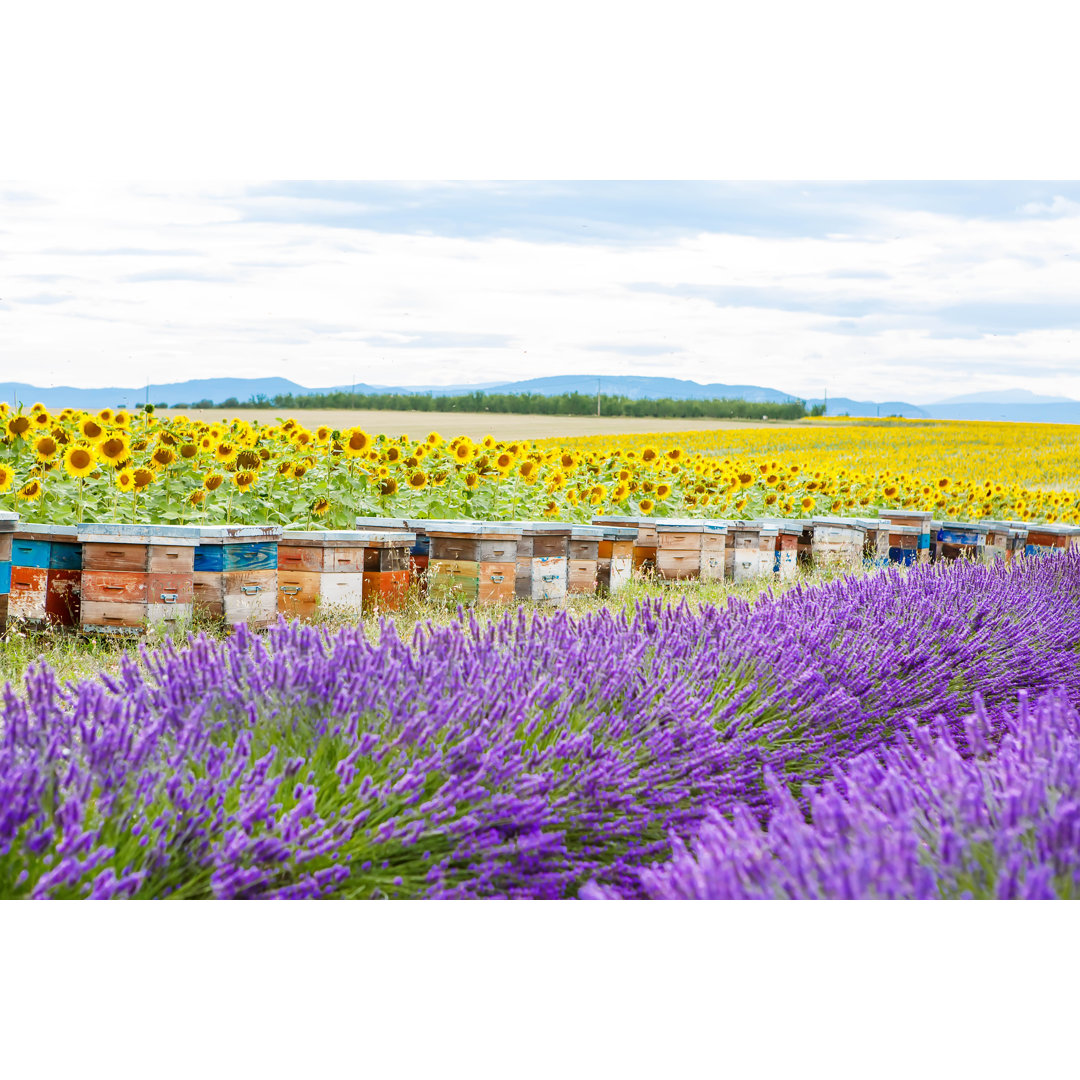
{"points": [[919, 821], [524, 758]]}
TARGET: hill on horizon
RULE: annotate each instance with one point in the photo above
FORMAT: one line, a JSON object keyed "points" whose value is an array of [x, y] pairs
{"points": [[1011, 405]]}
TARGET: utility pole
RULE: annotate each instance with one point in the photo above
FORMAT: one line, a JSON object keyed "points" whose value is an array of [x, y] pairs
{"points": [[597, 397], [826, 412]]}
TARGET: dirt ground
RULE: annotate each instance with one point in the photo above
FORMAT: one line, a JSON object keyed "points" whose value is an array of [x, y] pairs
{"points": [[502, 426]]}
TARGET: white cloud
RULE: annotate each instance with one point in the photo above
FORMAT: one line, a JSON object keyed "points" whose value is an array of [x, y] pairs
{"points": [[172, 284]]}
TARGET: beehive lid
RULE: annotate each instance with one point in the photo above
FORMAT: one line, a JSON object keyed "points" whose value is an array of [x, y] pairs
{"points": [[714, 526], [8, 515], [381, 523], [906, 530], [618, 519], [1054, 529], [966, 526], [678, 524], [920, 515], [110, 533], [545, 526], [238, 534], [838, 523], [588, 532], [58, 532], [616, 532], [330, 537], [784, 525]]}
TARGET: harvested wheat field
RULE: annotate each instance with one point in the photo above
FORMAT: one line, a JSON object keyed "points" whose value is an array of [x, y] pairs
{"points": [[503, 426]]}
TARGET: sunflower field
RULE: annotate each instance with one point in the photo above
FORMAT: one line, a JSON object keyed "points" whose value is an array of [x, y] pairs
{"points": [[72, 466]]}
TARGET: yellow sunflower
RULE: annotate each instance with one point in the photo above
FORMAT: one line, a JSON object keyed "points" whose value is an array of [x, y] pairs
{"points": [[6, 476], [80, 460], [45, 448]]}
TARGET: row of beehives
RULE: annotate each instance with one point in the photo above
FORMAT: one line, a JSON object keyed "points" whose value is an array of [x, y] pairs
{"points": [[120, 578], [488, 562]]}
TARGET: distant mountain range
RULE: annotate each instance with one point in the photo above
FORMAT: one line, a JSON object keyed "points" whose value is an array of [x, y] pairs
{"points": [[1015, 405]]}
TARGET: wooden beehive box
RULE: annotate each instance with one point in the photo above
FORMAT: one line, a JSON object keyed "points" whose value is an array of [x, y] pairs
{"points": [[876, 545], [996, 548], [786, 545], [961, 540], [541, 566], [236, 573], [46, 574], [8, 522], [903, 543], [838, 542], [453, 569], [614, 559], [919, 519], [1046, 538], [645, 542], [583, 559], [418, 552], [678, 548], [714, 543], [751, 551], [133, 575], [325, 570]]}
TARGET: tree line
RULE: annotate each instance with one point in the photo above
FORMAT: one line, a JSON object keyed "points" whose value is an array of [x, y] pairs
{"points": [[573, 404]]}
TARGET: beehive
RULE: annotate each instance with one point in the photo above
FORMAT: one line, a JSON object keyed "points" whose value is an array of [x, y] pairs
{"points": [[133, 575], [419, 553], [1018, 534], [678, 548], [713, 550], [46, 574], [903, 543], [473, 562], [920, 519], [961, 540], [583, 559], [876, 546], [997, 546], [541, 570], [236, 573], [326, 570], [838, 542], [935, 528], [751, 550], [785, 547], [8, 521], [645, 542], [1043, 539], [615, 559]]}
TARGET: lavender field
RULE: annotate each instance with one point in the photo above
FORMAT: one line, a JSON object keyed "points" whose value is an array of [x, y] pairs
{"points": [[912, 733]]}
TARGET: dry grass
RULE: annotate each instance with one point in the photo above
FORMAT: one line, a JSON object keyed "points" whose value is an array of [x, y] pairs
{"points": [[503, 426]]}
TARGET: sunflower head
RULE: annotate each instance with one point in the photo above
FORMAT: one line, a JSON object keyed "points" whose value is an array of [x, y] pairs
{"points": [[244, 479], [6, 477], [80, 460], [418, 480], [45, 448], [18, 426], [320, 506], [30, 491], [213, 481], [388, 486], [646, 506], [355, 442], [163, 456]]}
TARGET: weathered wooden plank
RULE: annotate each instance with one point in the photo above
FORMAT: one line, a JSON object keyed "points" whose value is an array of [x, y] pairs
{"points": [[386, 559], [170, 558], [549, 578], [117, 557], [114, 586], [29, 589], [63, 594], [26, 552], [501, 551], [305, 559], [208, 589], [177, 588], [385, 590], [97, 615], [351, 560], [250, 596], [344, 591], [298, 592], [581, 576]]}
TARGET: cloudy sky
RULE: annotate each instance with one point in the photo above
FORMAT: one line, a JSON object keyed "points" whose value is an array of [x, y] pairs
{"points": [[880, 291]]}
